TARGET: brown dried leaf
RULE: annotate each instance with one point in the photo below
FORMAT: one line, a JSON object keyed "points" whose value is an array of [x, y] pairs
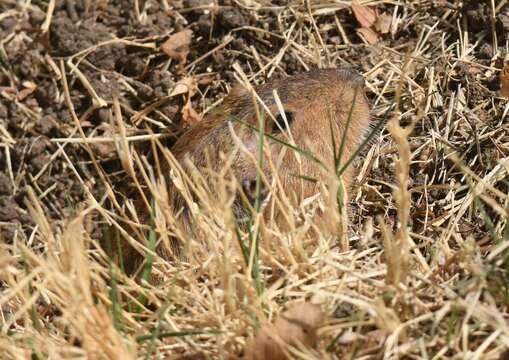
{"points": [[29, 89], [23, 94], [189, 115], [188, 85], [383, 23], [368, 35], [295, 327], [177, 45], [504, 82], [365, 15], [206, 80]]}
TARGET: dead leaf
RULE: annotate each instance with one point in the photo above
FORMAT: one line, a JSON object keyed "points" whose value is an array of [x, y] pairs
{"points": [[189, 115], [365, 15], [188, 85], [504, 82], [23, 94], [368, 35], [177, 45], [206, 80], [383, 23], [295, 327], [29, 89]]}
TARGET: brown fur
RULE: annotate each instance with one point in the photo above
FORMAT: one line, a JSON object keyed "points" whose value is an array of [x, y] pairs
{"points": [[315, 98]]}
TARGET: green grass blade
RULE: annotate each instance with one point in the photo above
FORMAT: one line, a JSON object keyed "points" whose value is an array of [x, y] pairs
{"points": [[152, 239], [374, 131], [333, 142], [304, 177], [162, 335], [255, 270], [343, 137], [303, 152], [259, 159]]}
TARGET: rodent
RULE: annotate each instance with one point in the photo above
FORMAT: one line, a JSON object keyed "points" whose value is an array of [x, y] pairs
{"points": [[312, 102]]}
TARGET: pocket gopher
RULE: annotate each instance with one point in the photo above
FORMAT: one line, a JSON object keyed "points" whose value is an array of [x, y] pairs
{"points": [[314, 103]]}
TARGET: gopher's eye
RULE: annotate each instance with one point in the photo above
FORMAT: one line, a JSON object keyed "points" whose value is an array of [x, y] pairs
{"points": [[280, 123]]}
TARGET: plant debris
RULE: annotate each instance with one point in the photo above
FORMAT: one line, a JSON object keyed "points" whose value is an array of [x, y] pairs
{"points": [[296, 327], [177, 46]]}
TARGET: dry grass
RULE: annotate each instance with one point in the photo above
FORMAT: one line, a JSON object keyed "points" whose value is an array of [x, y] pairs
{"points": [[422, 275]]}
